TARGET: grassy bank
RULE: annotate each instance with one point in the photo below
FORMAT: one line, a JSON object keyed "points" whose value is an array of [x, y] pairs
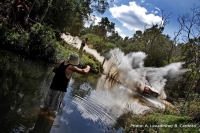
{"points": [[185, 120]]}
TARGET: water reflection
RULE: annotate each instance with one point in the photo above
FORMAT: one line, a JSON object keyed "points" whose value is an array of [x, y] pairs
{"points": [[43, 123], [84, 114], [22, 84], [97, 108]]}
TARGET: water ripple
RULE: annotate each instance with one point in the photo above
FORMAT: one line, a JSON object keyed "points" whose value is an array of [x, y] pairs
{"points": [[92, 109]]}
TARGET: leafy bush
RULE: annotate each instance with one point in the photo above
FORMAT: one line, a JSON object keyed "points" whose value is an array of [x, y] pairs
{"points": [[157, 121], [42, 43]]}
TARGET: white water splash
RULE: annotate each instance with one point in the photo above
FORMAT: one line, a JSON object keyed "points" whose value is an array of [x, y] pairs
{"points": [[132, 72]]}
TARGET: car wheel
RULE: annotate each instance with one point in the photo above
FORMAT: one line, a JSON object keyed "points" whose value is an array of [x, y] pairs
{"points": [[155, 94]]}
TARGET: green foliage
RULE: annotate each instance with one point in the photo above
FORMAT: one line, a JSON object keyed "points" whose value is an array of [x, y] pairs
{"points": [[115, 38], [191, 107], [42, 43], [39, 43], [103, 28], [68, 15], [157, 122], [63, 52], [108, 46], [89, 59], [156, 45], [16, 41], [96, 43], [93, 39], [152, 42]]}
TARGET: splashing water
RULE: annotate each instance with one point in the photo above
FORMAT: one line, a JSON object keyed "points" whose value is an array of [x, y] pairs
{"points": [[118, 90], [132, 73]]}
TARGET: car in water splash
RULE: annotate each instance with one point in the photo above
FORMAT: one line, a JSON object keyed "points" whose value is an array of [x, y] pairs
{"points": [[149, 90]]}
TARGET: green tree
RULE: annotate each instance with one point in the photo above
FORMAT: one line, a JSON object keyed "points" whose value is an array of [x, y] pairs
{"points": [[191, 51], [114, 37], [103, 28], [71, 15], [153, 43]]}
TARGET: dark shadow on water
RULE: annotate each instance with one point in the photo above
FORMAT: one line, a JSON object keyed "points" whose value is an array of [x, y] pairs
{"points": [[43, 123], [23, 84]]}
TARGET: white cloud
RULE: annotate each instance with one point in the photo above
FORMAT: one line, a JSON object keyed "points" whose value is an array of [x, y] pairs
{"points": [[155, 12], [122, 35], [133, 16], [93, 20], [157, 8], [120, 32]]}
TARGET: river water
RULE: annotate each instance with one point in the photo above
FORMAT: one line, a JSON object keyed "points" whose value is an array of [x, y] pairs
{"points": [[24, 84], [92, 104]]}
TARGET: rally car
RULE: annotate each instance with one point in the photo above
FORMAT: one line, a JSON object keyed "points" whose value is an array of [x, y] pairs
{"points": [[149, 90]]}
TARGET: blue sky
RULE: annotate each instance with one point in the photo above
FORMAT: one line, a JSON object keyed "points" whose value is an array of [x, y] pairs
{"points": [[132, 15]]}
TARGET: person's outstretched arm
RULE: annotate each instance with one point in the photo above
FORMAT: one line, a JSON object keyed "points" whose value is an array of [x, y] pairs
{"points": [[79, 70]]}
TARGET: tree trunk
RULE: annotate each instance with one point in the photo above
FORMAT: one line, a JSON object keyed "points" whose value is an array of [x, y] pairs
{"points": [[31, 7], [45, 11], [197, 86]]}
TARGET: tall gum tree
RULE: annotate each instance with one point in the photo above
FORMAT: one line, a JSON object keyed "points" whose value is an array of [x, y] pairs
{"points": [[191, 30]]}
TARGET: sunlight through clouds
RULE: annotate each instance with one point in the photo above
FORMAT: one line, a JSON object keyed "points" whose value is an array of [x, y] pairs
{"points": [[134, 17]]}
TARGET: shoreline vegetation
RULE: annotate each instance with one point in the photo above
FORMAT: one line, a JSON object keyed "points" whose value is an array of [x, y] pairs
{"points": [[41, 43]]}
